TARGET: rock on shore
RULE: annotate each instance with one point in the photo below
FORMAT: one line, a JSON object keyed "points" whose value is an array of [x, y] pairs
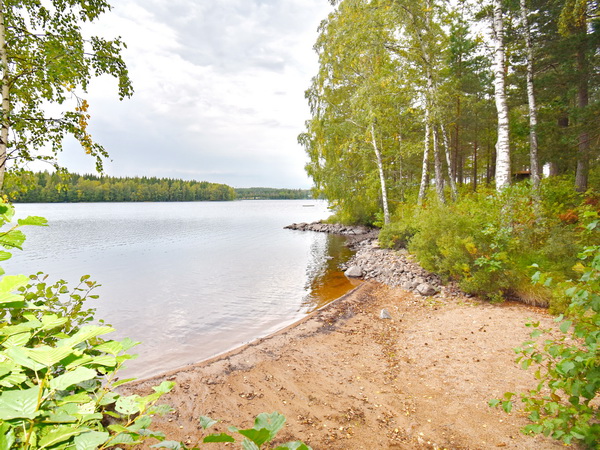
{"points": [[391, 267]]}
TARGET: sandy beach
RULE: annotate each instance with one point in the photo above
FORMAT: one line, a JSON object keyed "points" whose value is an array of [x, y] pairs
{"points": [[347, 379]]}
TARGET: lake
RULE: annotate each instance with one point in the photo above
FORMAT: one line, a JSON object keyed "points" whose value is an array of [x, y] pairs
{"points": [[188, 280]]}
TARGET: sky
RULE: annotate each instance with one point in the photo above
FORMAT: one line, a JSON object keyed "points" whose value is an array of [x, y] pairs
{"points": [[219, 91]]}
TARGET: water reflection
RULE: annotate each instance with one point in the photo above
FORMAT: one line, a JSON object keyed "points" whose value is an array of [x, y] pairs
{"points": [[325, 280]]}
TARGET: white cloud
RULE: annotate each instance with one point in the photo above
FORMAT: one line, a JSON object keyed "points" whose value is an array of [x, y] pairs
{"points": [[219, 90]]}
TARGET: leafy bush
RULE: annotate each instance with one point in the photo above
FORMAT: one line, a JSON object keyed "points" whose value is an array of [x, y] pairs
{"points": [[487, 241], [564, 404]]}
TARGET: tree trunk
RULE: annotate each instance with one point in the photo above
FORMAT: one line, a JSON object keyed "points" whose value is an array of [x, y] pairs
{"points": [[5, 93], [439, 177], [424, 172], [451, 176], [583, 151], [475, 145], [384, 199], [533, 140], [503, 144]]}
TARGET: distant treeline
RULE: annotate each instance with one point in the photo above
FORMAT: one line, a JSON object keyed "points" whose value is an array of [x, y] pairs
{"points": [[45, 187], [260, 193]]}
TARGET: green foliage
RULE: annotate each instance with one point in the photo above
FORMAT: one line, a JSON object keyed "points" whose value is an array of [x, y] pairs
{"points": [[487, 241], [44, 187], [47, 59], [564, 404]]}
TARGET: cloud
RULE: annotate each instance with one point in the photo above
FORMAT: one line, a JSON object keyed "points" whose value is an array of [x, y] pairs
{"points": [[219, 90]]}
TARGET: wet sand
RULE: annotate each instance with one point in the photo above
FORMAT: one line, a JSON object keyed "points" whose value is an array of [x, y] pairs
{"points": [[346, 379]]}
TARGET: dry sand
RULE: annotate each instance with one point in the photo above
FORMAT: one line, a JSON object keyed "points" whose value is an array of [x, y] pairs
{"points": [[346, 379]]}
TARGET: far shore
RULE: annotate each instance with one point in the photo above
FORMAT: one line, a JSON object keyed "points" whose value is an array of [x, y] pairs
{"points": [[347, 379]]}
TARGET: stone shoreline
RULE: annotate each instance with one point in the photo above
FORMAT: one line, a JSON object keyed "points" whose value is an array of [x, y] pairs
{"points": [[394, 268]]}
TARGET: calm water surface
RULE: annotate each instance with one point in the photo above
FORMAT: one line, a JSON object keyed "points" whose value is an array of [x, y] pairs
{"points": [[189, 280]]}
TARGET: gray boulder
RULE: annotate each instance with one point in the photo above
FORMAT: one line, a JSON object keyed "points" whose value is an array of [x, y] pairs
{"points": [[426, 290], [354, 272]]}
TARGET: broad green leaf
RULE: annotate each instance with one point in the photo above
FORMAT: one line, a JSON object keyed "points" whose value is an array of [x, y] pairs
{"points": [[272, 422], [174, 445], [207, 422], [12, 239], [259, 437], [33, 220], [5, 255], [564, 327], [249, 445], [111, 347], [124, 438], [19, 356], [86, 332], [17, 340], [19, 404], [78, 375], [7, 437], [50, 321], [164, 387], [295, 445], [61, 434], [222, 437], [48, 356], [90, 440], [128, 405]]}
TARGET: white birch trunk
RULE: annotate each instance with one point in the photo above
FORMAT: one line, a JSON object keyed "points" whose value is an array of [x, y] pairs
{"points": [[439, 177], [424, 177], [533, 140], [503, 171], [5, 93], [451, 176], [386, 211]]}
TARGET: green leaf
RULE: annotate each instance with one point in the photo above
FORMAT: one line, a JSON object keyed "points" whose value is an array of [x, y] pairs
{"points": [[12, 239], [222, 437], [48, 356], [86, 332], [19, 356], [164, 387], [295, 445], [7, 437], [5, 255], [10, 283], [128, 405], [564, 327], [259, 437], [207, 422], [249, 445], [19, 404], [33, 220], [272, 422], [174, 445], [50, 321], [78, 375], [90, 440]]}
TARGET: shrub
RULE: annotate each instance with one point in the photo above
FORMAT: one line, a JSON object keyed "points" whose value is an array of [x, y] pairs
{"points": [[564, 404]]}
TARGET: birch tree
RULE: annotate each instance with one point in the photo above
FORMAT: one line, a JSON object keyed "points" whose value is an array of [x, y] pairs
{"points": [[533, 139], [503, 169], [45, 59]]}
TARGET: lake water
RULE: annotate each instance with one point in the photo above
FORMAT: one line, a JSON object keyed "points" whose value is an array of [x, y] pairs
{"points": [[188, 280]]}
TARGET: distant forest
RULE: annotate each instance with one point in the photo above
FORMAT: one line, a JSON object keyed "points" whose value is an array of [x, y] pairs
{"points": [[45, 187], [261, 193]]}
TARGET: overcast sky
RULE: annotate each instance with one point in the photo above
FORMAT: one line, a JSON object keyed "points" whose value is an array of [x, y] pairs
{"points": [[219, 91]]}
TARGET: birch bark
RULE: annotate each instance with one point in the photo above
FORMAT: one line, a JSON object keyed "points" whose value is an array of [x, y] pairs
{"points": [[424, 172], [451, 174], [5, 93], [533, 140], [386, 211], [503, 144]]}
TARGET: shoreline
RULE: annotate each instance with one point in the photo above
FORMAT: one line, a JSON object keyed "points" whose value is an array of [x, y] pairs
{"points": [[347, 379]]}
